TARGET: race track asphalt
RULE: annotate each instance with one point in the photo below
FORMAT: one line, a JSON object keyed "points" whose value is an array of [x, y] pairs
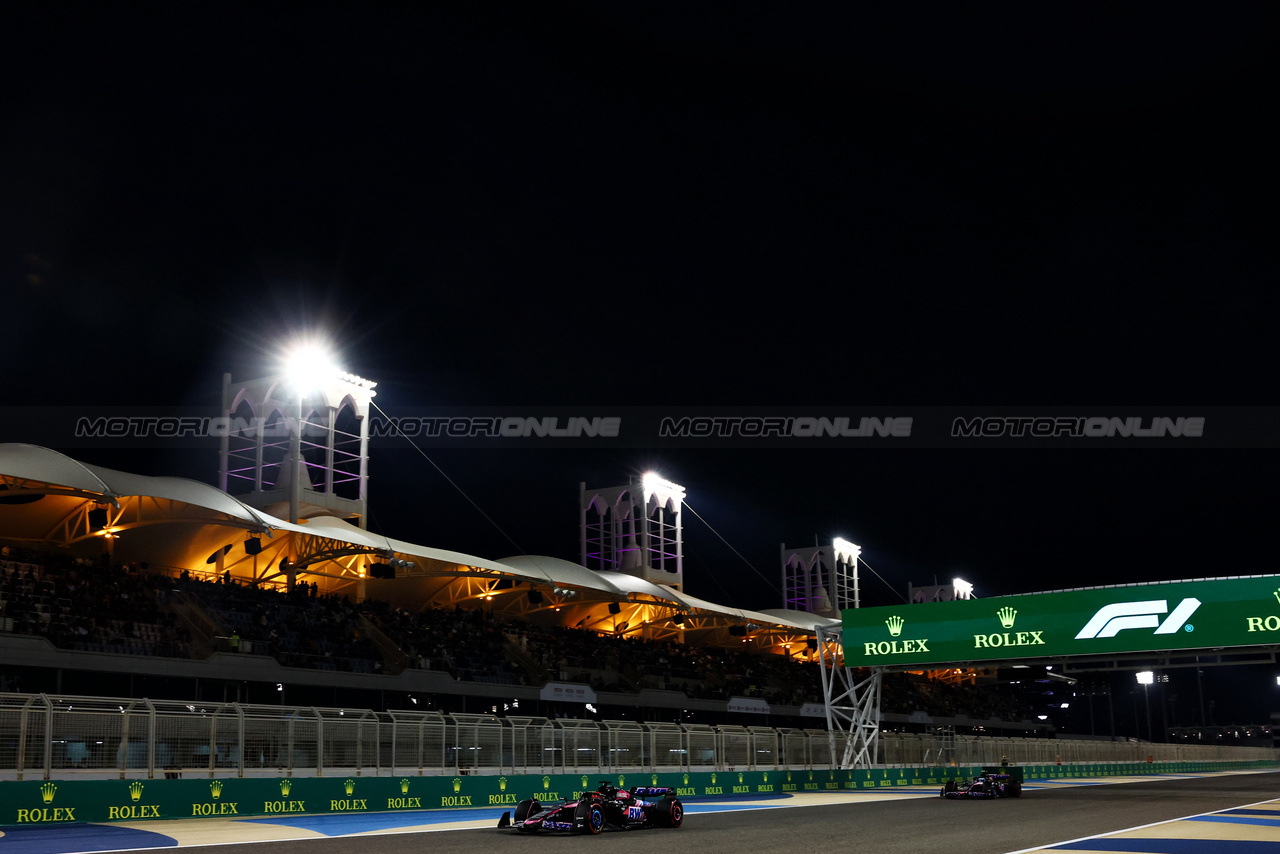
{"points": [[1048, 816]]}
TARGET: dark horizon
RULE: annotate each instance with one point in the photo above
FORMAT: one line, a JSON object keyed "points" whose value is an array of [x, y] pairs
{"points": [[574, 205]]}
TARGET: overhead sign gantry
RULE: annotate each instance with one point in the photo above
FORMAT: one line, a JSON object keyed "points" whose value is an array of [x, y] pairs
{"points": [[1180, 615], [1176, 616]]}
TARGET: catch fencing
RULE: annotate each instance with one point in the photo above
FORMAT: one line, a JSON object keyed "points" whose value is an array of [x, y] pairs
{"points": [[59, 737]]}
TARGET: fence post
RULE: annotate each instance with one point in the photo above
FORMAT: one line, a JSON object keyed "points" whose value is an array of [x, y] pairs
{"points": [[319, 741], [151, 739], [241, 746], [213, 742], [122, 750], [48, 736]]}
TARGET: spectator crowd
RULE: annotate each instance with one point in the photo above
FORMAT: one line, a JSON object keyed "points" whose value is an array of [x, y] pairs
{"points": [[105, 607]]}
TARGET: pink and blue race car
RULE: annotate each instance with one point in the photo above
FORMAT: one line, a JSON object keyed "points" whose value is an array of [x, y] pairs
{"points": [[607, 808], [986, 786]]}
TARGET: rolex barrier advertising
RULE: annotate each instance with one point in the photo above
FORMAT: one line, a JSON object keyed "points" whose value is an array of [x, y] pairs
{"points": [[1183, 615], [25, 803]]}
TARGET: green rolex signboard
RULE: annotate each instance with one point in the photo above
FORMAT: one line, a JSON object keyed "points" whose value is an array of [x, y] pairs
{"points": [[1182, 615]]}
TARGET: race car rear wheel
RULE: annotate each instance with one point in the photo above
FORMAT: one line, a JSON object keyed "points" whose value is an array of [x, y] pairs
{"points": [[669, 813], [1014, 789]]}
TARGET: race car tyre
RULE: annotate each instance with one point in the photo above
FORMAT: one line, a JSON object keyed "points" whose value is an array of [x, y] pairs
{"points": [[948, 787], [668, 813], [589, 818], [524, 808], [1015, 789]]}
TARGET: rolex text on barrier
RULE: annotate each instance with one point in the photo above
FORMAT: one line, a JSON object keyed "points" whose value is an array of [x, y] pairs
{"points": [[1181, 615], [60, 802]]}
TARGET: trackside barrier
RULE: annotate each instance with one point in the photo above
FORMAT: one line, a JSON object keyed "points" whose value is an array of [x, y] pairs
{"points": [[33, 802], [913, 749], [64, 738]]}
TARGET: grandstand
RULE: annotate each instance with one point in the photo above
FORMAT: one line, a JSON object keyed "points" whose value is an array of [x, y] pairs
{"points": [[117, 584], [269, 591]]}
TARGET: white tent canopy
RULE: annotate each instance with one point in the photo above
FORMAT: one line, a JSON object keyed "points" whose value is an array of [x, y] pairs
{"points": [[42, 470], [202, 518]]}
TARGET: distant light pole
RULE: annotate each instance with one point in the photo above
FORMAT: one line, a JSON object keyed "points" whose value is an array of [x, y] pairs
{"points": [[1200, 689], [1111, 709], [1145, 678]]}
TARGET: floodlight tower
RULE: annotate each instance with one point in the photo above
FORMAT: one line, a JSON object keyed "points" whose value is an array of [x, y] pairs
{"points": [[958, 589], [821, 580], [635, 528], [297, 443]]}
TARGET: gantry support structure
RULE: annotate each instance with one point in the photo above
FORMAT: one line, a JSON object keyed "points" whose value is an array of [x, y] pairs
{"points": [[852, 703]]}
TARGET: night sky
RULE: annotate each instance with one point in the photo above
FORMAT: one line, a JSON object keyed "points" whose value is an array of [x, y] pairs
{"points": [[607, 205]]}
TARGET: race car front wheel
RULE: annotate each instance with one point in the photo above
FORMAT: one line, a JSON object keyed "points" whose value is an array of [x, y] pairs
{"points": [[592, 820], [524, 808]]}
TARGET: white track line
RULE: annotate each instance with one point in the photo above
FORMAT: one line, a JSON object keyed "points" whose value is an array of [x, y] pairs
{"points": [[1111, 833]]}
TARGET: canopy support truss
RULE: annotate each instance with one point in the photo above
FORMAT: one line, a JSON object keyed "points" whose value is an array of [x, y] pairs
{"points": [[852, 706]]}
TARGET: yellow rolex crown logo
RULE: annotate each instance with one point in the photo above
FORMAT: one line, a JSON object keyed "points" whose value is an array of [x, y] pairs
{"points": [[135, 790], [215, 789], [713, 778], [349, 785], [404, 786], [766, 776], [546, 782], [47, 792], [285, 786], [653, 781], [895, 625], [739, 776], [788, 776], [502, 784], [457, 784], [1006, 615], [584, 781], [686, 779], [622, 781]]}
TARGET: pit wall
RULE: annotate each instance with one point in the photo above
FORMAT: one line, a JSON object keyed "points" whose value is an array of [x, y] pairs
{"points": [[27, 803]]}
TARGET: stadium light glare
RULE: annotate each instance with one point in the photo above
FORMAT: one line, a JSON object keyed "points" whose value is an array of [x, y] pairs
{"points": [[654, 482], [845, 550], [1146, 677], [307, 365]]}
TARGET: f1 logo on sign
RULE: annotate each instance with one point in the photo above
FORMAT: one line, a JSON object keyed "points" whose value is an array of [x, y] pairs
{"points": [[1114, 618]]}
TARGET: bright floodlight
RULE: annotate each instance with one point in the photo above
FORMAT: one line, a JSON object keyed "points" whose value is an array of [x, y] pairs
{"points": [[307, 366], [845, 550], [652, 482], [964, 590], [1146, 677]]}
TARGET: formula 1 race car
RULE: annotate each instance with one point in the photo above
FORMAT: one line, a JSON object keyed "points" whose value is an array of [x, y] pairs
{"points": [[607, 808], [986, 786]]}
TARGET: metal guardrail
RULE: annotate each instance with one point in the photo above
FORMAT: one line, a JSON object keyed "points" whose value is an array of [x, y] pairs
{"points": [[58, 737], [911, 749]]}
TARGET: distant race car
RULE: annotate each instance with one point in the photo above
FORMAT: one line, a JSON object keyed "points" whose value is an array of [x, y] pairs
{"points": [[984, 786], [607, 808]]}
